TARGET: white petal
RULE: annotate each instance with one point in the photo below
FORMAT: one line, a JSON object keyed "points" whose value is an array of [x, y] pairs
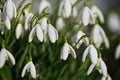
{"points": [[27, 66], [95, 34], [19, 30], [74, 12], [85, 53], [103, 67], [90, 69], [9, 9], [31, 35], [52, 33], [92, 17], [39, 33], [60, 8], [104, 38], [45, 35], [14, 10], [72, 51], [85, 16], [44, 23], [10, 56], [103, 78], [27, 19], [43, 5], [32, 70], [7, 23], [64, 51], [99, 13], [93, 55], [60, 24], [2, 58], [67, 8], [117, 52]]}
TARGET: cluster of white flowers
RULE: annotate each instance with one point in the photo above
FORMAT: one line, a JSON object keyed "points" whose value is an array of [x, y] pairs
{"points": [[41, 27]]}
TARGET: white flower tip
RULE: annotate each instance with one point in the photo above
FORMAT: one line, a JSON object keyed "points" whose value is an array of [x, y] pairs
{"points": [[90, 69], [18, 31], [52, 33], [85, 16]]}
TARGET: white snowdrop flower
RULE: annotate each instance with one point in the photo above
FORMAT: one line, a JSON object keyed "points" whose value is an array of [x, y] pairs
{"points": [[65, 9], [19, 30], [7, 23], [29, 67], [52, 33], [113, 22], [78, 37], [45, 5], [60, 24], [103, 67], [87, 16], [66, 50], [27, 21], [9, 9], [38, 31], [99, 36], [117, 52], [97, 13], [5, 55], [93, 54]]}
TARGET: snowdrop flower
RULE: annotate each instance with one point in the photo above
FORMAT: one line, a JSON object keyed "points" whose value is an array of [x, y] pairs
{"points": [[9, 9], [97, 13], [117, 52], [93, 54], [5, 55], [19, 30], [78, 37], [27, 21], [38, 31], [99, 36], [65, 9], [48, 30], [7, 23], [103, 67], [60, 24], [113, 22], [29, 67], [87, 16], [66, 50], [52, 33], [45, 5]]}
